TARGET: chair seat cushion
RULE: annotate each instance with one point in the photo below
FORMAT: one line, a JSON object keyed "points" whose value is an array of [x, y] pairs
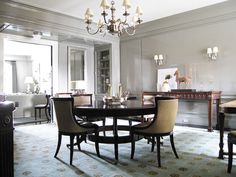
{"points": [[40, 106], [233, 133]]}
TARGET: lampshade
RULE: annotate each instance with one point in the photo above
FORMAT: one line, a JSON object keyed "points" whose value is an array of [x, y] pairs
{"points": [[215, 50], [29, 80], [209, 50]]}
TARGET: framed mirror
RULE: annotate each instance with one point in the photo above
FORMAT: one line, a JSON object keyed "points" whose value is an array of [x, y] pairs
{"points": [[76, 68]]}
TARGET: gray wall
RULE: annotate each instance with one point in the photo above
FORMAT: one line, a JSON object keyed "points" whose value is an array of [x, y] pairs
{"points": [[184, 39], [184, 42]]}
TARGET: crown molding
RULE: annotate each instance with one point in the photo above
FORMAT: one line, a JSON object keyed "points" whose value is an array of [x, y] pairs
{"points": [[30, 16], [195, 18]]}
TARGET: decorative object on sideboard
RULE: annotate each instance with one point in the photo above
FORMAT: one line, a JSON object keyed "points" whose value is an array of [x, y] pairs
{"points": [[165, 85], [183, 82], [113, 25], [159, 59], [28, 80], [212, 53]]}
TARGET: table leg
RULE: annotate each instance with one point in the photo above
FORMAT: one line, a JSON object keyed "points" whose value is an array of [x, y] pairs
{"points": [[210, 129], [217, 113], [221, 126], [115, 133]]}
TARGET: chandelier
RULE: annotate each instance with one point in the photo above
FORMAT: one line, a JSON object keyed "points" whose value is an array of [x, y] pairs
{"points": [[113, 25]]}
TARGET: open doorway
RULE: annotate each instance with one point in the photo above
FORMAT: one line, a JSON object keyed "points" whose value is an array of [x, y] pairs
{"points": [[27, 68], [27, 77]]}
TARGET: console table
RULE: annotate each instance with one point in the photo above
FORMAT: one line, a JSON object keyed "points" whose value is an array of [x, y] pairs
{"points": [[209, 96]]}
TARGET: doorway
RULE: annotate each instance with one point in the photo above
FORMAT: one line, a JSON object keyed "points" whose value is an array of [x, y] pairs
{"points": [[27, 77]]}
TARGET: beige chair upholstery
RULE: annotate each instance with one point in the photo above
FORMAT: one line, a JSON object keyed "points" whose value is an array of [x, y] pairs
{"points": [[68, 126], [231, 141], [162, 124], [86, 100]]}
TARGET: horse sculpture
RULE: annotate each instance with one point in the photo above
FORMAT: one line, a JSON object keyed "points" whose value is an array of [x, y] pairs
{"points": [[181, 79]]}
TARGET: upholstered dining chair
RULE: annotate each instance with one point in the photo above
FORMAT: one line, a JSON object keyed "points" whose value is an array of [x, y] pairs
{"points": [[68, 126], [162, 125], [45, 107], [86, 100], [231, 141]]}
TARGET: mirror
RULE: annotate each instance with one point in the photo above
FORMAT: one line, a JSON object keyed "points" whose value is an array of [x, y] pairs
{"points": [[76, 67]]}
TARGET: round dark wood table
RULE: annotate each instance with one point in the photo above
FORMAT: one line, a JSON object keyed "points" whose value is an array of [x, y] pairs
{"points": [[115, 111]]}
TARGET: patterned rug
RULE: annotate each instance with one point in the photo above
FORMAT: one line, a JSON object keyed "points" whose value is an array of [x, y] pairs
{"points": [[34, 148]]}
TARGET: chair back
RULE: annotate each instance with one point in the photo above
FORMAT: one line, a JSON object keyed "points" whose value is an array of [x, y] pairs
{"points": [[166, 112], [82, 99], [64, 115]]}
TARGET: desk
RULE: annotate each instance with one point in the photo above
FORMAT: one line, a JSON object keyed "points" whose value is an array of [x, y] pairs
{"points": [[131, 108], [210, 96], [229, 108]]}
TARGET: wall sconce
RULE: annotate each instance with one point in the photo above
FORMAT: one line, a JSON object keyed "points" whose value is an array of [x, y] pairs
{"points": [[159, 59], [212, 53]]}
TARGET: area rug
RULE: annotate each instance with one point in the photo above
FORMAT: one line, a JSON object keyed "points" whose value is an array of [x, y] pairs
{"points": [[34, 148]]}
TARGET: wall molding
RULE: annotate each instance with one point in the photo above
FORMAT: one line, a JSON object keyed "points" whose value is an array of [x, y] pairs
{"points": [[26, 15], [184, 21]]}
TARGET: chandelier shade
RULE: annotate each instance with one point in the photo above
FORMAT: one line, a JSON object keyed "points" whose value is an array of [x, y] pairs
{"points": [[113, 25]]}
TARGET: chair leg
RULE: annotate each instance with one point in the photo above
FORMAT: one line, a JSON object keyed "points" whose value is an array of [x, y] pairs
{"points": [[78, 142], [47, 114], [130, 123], [58, 144], [132, 146], [104, 124], [173, 145], [153, 143], [158, 151], [35, 115], [40, 115], [97, 144], [230, 151], [71, 147]]}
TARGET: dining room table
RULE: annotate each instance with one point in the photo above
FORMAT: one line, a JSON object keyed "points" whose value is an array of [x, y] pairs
{"points": [[114, 110], [226, 108]]}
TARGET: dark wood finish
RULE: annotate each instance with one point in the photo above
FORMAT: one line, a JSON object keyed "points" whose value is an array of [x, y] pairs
{"points": [[6, 139], [131, 108], [45, 107], [210, 96], [229, 108]]}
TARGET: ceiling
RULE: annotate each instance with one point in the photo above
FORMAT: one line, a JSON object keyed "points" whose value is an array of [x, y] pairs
{"points": [[152, 9]]}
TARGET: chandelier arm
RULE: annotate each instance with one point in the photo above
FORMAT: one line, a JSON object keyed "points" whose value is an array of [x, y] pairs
{"points": [[129, 27], [92, 33], [104, 14]]}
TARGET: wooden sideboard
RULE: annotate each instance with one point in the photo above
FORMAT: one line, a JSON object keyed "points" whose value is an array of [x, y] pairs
{"points": [[209, 96]]}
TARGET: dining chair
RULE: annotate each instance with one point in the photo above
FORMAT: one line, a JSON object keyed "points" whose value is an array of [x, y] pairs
{"points": [[45, 107], [68, 126], [231, 141], [86, 100], [161, 125]]}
